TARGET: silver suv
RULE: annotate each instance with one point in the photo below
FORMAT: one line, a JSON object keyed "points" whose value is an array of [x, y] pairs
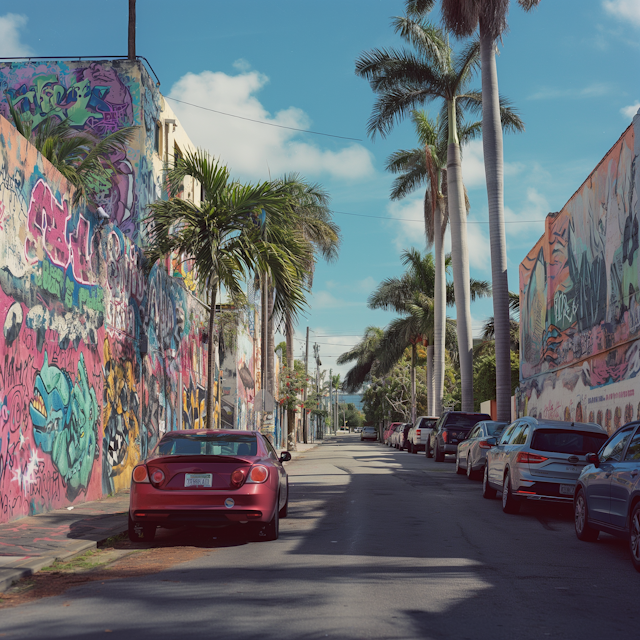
{"points": [[538, 460]]}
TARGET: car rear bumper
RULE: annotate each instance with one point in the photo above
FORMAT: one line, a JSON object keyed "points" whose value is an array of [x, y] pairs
{"points": [[182, 517], [545, 491]]}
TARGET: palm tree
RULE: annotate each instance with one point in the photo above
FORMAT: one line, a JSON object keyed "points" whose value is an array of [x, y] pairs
{"points": [[81, 157], [489, 329], [412, 296], [364, 354], [403, 80], [321, 235], [417, 167], [223, 240], [462, 19]]}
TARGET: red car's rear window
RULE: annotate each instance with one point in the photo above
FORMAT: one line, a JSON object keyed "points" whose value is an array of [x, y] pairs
{"points": [[218, 444]]}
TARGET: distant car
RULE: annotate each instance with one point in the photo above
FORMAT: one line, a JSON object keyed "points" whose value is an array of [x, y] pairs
{"points": [[607, 495], [471, 453], [211, 478], [420, 433], [388, 432], [452, 427], [368, 433], [358, 429], [539, 460], [399, 435]]}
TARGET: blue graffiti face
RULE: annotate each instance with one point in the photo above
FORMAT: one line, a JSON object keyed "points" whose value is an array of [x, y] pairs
{"points": [[49, 408]]}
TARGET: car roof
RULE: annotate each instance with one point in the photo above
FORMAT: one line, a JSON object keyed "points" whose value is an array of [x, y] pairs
{"points": [[200, 432], [591, 427]]}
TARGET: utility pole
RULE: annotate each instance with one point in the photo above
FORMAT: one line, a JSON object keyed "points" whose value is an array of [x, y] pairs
{"points": [[316, 353], [331, 396], [132, 30], [305, 421]]}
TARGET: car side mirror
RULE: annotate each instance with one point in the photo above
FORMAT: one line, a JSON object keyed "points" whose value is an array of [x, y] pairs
{"points": [[285, 456], [594, 459], [492, 442]]}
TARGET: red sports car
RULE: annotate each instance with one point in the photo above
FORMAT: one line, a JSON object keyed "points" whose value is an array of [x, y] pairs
{"points": [[210, 478]]}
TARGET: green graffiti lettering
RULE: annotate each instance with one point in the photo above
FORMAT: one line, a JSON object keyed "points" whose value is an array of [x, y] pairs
{"points": [[68, 298], [91, 299], [52, 279]]}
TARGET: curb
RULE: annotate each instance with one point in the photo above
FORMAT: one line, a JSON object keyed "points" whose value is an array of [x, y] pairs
{"points": [[27, 567]]}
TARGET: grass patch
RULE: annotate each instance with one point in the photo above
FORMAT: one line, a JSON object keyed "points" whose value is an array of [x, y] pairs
{"points": [[85, 562], [113, 541]]}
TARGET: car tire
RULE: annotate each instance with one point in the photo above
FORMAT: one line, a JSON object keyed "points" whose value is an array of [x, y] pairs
{"points": [[141, 532], [488, 491], [271, 530], [584, 531], [437, 454], [471, 474], [414, 448], [427, 450], [634, 536], [459, 469], [510, 504]]}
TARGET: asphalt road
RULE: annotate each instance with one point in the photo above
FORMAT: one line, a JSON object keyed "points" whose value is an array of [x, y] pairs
{"points": [[379, 544]]}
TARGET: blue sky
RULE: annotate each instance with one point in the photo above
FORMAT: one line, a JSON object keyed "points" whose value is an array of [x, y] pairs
{"points": [[569, 67]]}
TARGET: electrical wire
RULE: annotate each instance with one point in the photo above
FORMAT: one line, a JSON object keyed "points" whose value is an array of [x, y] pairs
{"points": [[366, 215], [269, 124]]}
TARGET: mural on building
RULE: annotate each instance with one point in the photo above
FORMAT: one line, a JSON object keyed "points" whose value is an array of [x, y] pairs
{"points": [[95, 356], [580, 300]]}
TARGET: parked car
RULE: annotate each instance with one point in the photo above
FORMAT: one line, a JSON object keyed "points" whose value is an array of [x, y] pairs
{"points": [[403, 433], [393, 439], [607, 495], [471, 453], [451, 428], [539, 460], [388, 432], [368, 433], [211, 478], [419, 434], [358, 430]]}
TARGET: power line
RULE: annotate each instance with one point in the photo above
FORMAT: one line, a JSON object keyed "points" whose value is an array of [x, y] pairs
{"points": [[269, 124], [366, 215]]}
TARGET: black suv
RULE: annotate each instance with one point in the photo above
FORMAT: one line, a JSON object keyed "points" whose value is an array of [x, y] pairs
{"points": [[451, 428]]}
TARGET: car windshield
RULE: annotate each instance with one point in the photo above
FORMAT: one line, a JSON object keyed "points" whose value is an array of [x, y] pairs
{"points": [[496, 429], [560, 441], [371, 429], [210, 444], [464, 421]]}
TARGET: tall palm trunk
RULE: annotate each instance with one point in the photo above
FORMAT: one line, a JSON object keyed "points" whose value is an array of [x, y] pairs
{"points": [[211, 359], [413, 383], [440, 310], [430, 385], [494, 170], [291, 413], [460, 260]]}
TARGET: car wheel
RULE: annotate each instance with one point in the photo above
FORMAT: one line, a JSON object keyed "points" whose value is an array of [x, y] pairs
{"points": [[488, 491], [271, 530], [459, 469], [414, 448], [510, 504], [581, 519], [634, 537], [427, 450], [141, 532], [470, 472], [439, 455]]}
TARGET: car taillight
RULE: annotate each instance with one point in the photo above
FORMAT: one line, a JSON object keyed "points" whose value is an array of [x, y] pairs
{"points": [[140, 474], [156, 476], [445, 436], [418, 432], [531, 458], [258, 474], [483, 444], [238, 478]]}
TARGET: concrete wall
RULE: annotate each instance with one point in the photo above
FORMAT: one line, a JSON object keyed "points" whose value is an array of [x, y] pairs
{"points": [[580, 300], [96, 360]]}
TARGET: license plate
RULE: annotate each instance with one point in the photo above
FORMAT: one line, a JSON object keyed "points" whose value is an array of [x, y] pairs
{"points": [[454, 442], [198, 479], [566, 489]]}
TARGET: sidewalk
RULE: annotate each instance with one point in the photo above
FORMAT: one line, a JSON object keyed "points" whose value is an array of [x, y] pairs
{"points": [[29, 544]]}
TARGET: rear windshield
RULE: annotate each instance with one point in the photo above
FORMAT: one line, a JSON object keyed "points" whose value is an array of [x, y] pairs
{"points": [[465, 421], [218, 444], [428, 422], [369, 428], [495, 429], [574, 442]]}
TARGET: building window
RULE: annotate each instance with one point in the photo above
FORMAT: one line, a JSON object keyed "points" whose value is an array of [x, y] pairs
{"points": [[177, 154], [158, 139]]}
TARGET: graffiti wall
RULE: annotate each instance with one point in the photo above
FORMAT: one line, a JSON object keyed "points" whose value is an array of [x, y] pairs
{"points": [[96, 359], [580, 300]]}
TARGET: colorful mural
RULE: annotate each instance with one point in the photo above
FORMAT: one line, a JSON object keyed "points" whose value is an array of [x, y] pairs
{"points": [[96, 358], [580, 300]]}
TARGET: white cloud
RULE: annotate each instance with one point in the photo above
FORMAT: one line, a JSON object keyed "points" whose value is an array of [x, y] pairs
{"points": [[10, 45], [326, 300], [255, 150], [630, 111], [628, 10], [591, 91], [473, 165], [527, 224]]}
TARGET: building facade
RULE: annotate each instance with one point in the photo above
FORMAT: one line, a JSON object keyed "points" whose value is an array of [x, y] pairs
{"points": [[97, 359], [580, 300]]}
